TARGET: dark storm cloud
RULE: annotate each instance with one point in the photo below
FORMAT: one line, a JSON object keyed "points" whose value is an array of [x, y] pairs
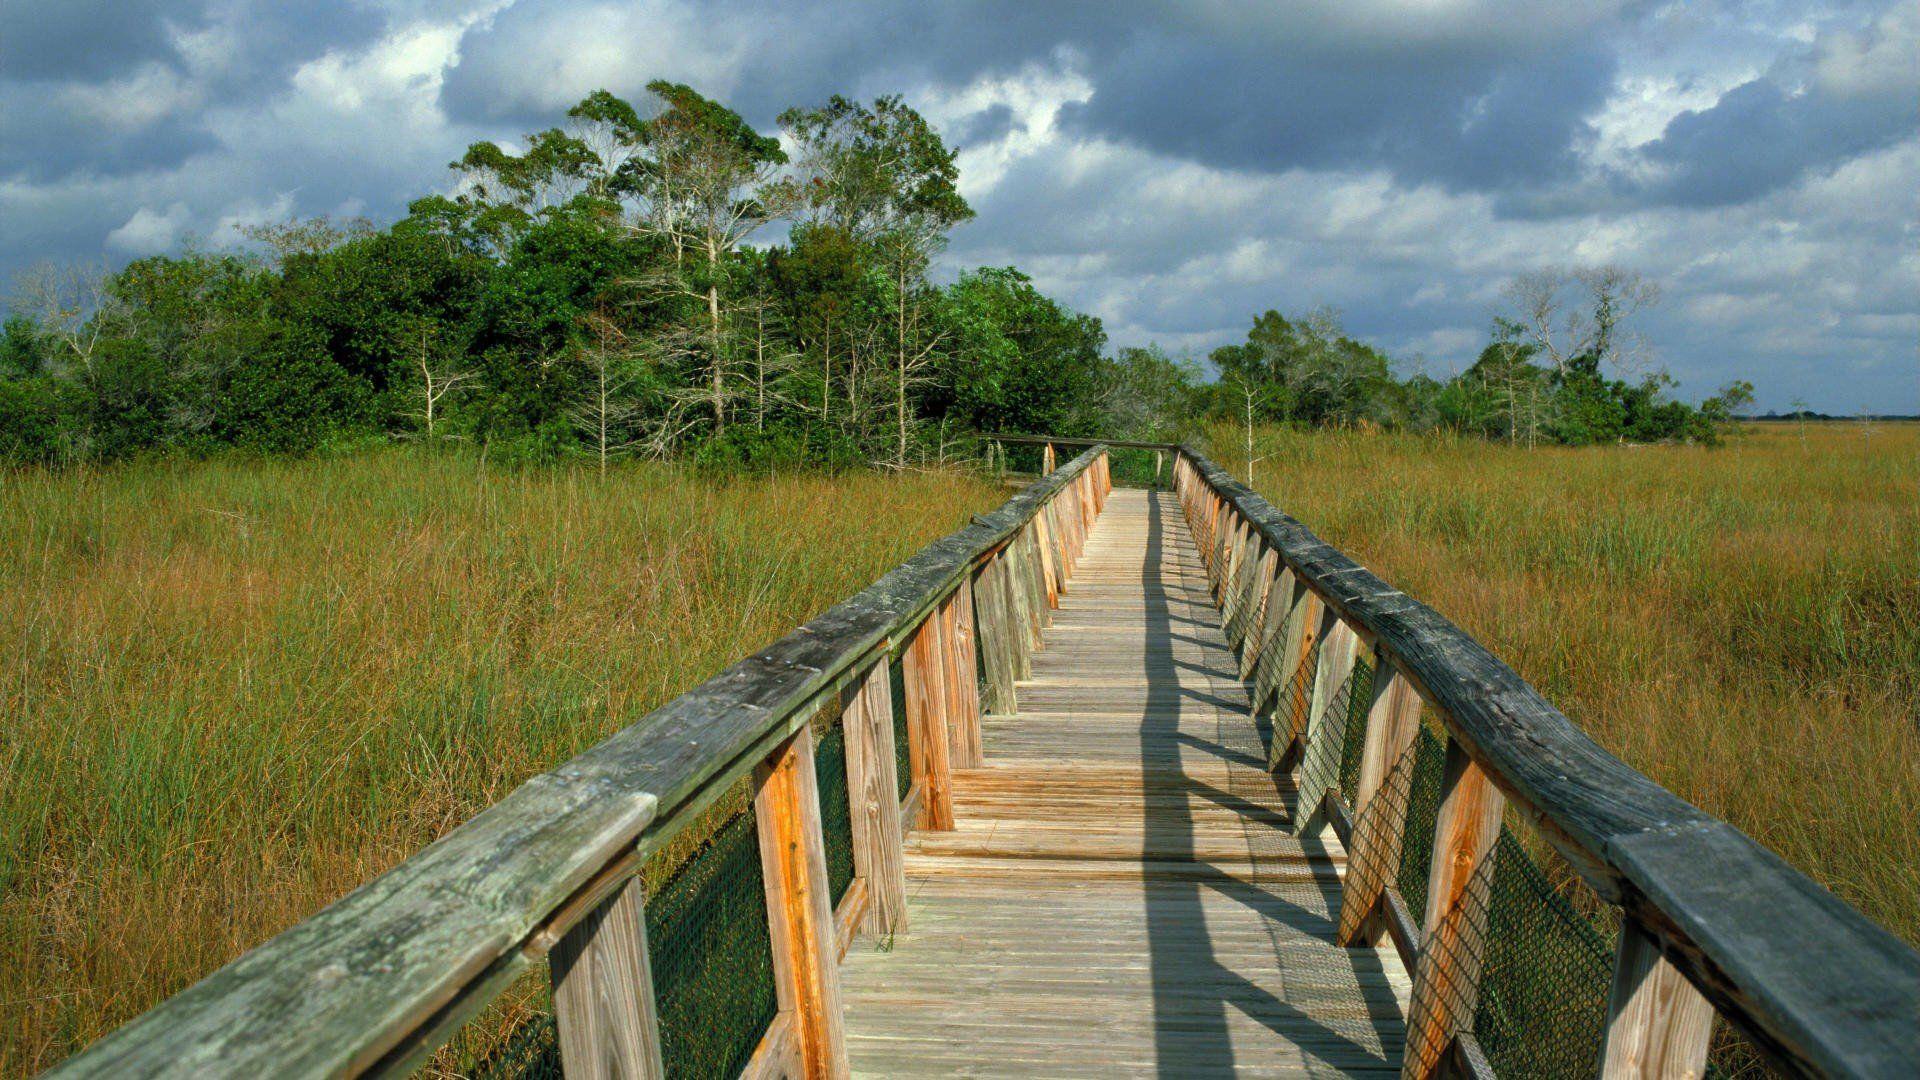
{"points": [[1759, 137], [82, 39]]}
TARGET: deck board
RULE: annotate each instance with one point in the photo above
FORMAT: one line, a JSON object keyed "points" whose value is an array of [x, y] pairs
{"points": [[1122, 895]]}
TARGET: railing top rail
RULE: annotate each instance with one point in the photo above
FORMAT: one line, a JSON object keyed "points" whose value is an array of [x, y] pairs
{"points": [[1055, 440], [377, 979], [1815, 981]]}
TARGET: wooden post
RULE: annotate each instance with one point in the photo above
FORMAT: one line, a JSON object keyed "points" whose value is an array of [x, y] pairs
{"points": [[1339, 647], [1018, 624], [793, 863], [1379, 804], [964, 750], [995, 642], [1049, 558], [873, 795], [925, 678], [1156, 468], [1269, 664], [1290, 718], [1658, 1025], [1446, 980], [1033, 582], [1046, 466], [603, 992], [1261, 622]]}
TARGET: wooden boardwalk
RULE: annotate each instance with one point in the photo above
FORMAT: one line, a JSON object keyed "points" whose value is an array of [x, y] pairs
{"points": [[1123, 894]]}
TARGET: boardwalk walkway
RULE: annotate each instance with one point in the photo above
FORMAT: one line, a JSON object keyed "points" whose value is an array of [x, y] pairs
{"points": [[1123, 894]]}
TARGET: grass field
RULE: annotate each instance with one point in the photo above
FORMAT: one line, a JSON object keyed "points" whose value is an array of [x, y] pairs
{"points": [[1741, 623], [234, 691]]}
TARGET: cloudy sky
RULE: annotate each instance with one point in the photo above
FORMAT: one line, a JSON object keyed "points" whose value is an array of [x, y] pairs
{"points": [[1170, 167]]}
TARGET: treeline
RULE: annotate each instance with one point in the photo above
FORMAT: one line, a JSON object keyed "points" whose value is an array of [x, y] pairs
{"points": [[1564, 365], [668, 281], [596, 293]]}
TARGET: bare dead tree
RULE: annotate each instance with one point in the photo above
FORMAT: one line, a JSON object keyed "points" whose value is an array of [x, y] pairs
{"points": [[1585, 313], [71, 304], [605, 410], [440, 375]]}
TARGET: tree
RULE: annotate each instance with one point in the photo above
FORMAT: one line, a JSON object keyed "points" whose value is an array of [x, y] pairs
{"points": [[882, 175], [440, 369], [708, 181], [1585, 333]]}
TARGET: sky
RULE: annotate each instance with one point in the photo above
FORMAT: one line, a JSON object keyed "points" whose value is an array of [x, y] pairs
{"points": [[1174, 168]]}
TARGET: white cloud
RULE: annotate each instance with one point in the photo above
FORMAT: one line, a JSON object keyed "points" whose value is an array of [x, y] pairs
{"points": [[150, 231]]}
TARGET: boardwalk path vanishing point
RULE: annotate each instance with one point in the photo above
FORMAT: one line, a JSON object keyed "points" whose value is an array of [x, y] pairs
{"points": [[1122, 892]]}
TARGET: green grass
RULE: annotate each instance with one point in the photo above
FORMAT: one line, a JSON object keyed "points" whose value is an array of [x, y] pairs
{"points": [[1741, 623], [236, 690]]}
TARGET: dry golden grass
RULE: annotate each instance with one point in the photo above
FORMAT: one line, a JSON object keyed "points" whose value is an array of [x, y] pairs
{"points": [[1741, 623], [235, 691]]}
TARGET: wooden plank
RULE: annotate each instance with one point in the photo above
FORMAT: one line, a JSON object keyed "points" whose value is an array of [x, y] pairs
{"points": [[873, 794], [793, 865], [1259, 623], [1446, 983], [1386, 763], [995, 638], [1305, 624], [1320, 754], [603, 993], [924, 669], [1658, 1025], [961, 697], [1049, 564]]}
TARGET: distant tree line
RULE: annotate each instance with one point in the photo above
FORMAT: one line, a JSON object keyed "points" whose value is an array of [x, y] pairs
{"points": [[599, 293], [1564, 365]]}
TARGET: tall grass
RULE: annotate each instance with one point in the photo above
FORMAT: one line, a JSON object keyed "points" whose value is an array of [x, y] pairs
{"points": [[234, 691], [1741, 623]]}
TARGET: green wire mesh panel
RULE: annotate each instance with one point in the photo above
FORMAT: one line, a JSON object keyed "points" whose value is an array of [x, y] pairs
{"points": [[836, 815], [1359, 697], [712, 961], [1545, 973], [1423, 806]]}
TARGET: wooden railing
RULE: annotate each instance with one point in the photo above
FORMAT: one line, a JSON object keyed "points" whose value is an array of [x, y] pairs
{"points": [[375, 982], [1709, 918]]}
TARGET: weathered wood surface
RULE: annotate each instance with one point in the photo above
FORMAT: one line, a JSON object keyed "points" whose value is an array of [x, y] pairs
{"points": [[1120, 893], [873, 791], [1446, 981], [1658, 1025], [603, 994], [793, 867], [1806, 976]]}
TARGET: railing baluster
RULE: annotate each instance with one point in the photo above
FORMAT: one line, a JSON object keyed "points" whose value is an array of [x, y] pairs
{"points": [[962, 697], [1305, 623], [603, 992], [873, 796], [1259, 620], [1049, 560], [1658, 1025], [1270, 672], [1446, 980], [1379, 804], [924, 670], [1320, 747], [995, 641], [793, 864]]}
